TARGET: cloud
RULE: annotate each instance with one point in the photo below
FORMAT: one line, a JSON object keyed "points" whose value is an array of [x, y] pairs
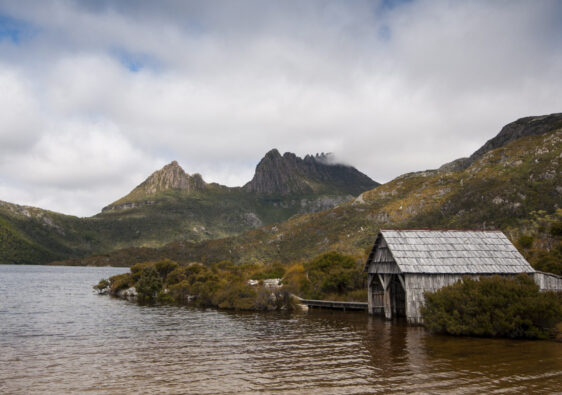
{"points": [[103, 92], [21, 115]]}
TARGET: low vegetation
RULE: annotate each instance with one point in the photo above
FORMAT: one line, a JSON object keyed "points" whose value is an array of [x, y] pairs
{"points": [[540, 241], [222, 285], [226, 285], [330, 276], [494, 307]]}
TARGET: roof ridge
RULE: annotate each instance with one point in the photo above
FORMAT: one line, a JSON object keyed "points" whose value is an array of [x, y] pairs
{"points": [[442, 230], [459, 251]]}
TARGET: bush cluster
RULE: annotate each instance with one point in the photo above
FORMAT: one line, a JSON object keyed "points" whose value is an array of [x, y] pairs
{"points": [[222, 285], [225, 285], [493, 306], [329, 276]]}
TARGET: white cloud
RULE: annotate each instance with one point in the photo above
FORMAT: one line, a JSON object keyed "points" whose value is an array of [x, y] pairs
{"points": [[20, 117], [78, 168], [389, 90]]}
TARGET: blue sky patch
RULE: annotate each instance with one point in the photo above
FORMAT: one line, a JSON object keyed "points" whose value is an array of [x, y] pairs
{"points": [[15, 30], [135, 62]]}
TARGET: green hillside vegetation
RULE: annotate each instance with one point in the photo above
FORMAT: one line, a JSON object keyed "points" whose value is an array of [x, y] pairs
{"points": [[494, 307], [30, 235], [172, 205], [515, 188], [41, 236], [215, 213], [540, 241]]}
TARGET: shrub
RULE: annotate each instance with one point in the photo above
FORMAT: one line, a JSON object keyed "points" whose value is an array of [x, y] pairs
{"points": [[176, 276], [165, 267], [164, 297], [525, 241], [549, 261], [493, 306], [556, 229], [181, 292], [273, 270], [237, 296], [333, 273], [102, 285], [119, 282], [136, 270], [149, 285], [296, 281]]}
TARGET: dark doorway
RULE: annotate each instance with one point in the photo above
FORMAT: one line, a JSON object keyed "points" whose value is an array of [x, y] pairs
{"points": [[398, 297]]}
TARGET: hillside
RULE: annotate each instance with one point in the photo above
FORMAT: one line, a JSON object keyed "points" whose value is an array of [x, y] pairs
{"points": [[171, 205], [516, 187]]}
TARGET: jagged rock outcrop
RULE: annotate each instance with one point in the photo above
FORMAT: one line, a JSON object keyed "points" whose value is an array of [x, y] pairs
{"points": [[523, 127], [170, 177], [288, 174]]}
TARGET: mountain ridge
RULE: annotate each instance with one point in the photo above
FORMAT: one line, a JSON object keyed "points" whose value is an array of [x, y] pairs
{"points": [[515, 187], [289, 174], [522, 127], [284, 175], [502, 188], [170, 177], [169, 205]]}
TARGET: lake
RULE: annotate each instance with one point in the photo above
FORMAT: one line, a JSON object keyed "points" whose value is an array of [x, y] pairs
{"points": [[58, 336]]}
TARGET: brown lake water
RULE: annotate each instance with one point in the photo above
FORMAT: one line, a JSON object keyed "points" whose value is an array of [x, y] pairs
{"points": [[58, 336]]}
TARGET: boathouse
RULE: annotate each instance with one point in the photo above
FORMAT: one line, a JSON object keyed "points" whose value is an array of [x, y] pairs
{"points": [[404, 264]]}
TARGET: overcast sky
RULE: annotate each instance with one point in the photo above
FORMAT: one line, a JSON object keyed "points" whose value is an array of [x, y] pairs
{"points": [[96, 95]]}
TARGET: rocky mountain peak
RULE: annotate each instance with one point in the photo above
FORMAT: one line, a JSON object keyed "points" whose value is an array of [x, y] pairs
{"points": [[289, 174], [272, 154], [523, 127], [172, 176]]}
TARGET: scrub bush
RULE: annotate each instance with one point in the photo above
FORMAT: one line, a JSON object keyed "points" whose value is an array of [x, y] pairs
{"points": [[149, 285], [119, 282], [494, 307]]}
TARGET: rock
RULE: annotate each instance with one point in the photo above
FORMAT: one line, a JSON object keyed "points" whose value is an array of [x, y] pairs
{"points": [[253, 220], [288, 174], [171, 176], [129, 293], [103, 291]]}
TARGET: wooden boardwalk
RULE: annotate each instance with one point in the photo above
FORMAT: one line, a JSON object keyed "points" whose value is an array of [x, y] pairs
{"points": [[334, 304]]}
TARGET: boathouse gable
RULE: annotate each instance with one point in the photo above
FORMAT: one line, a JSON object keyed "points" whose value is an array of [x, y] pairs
{"points": [[404, 264]]}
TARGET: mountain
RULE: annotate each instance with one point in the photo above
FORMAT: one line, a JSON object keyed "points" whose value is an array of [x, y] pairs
{"points": [[170, 177], [172, 205], [515, 185], [291, 175], [523, 127]]}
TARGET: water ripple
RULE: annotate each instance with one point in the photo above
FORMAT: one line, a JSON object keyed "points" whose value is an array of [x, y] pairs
{"points": [[59, 337]]}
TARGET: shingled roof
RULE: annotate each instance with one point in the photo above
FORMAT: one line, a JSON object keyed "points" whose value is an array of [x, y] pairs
{"points": [[452, 252]]}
